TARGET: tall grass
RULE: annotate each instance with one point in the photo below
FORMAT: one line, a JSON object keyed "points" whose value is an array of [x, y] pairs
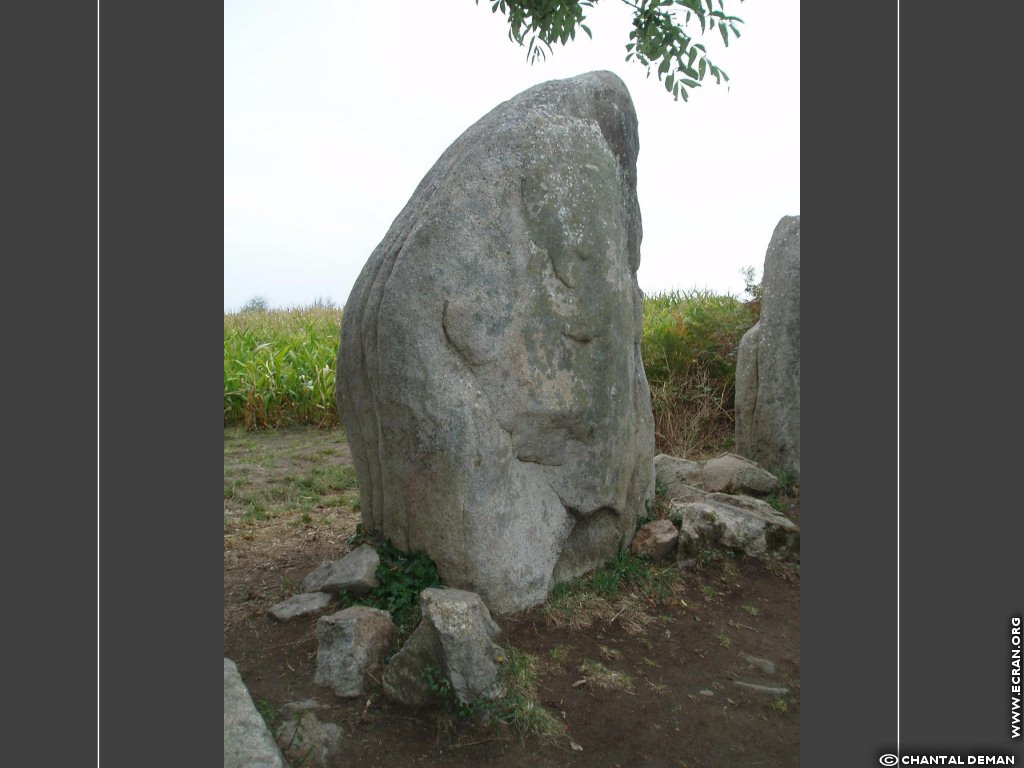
{"points": [[689, 348], [279, 367]]}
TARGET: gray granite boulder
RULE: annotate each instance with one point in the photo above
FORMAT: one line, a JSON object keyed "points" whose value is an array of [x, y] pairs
{"points": [[686, 480], [248, 742], [300, 605], [455, 642], [356, 572], [656, 540], [489, 375], [737, 522], [352, 644], [768, 361], [730, 473], [309, 742]]}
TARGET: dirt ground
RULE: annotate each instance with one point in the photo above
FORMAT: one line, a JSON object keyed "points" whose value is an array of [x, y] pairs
{"points": [[290, 503]]}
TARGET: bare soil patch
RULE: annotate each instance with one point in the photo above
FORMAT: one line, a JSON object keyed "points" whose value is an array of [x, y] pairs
{"points": [[636, 680]]}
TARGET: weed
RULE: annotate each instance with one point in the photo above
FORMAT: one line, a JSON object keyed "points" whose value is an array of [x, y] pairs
{"points": [[724, 641], [597, 673], [519, 707], [307, 518], [558, 654], [780, 706], [753, 610], [402, 577], [270, 714], [357, 538], [787, 483], [708, 592]]}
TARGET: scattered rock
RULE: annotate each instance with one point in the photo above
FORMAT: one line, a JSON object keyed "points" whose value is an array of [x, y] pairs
{"points": [[768, 361], [737, 522], [679, 477], [455, 640], [352, 645], [490, 378], [356, 572], [730, 473], [656, 540], [301, 605], [685, 480], [248, 742], [766, 666], [305, 705], [706, 692], [308, 742], [766, 689]]}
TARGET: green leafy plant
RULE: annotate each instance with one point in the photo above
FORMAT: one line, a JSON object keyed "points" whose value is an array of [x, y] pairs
{"points": [[402, 577], [661, 39], [271, 715]]}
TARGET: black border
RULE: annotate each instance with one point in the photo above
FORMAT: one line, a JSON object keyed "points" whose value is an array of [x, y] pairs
{"points": [[48, 382], [161, 274], [848, 511], [962, 530]]}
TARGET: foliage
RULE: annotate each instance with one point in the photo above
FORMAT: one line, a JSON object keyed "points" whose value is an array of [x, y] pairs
{"points": [[402, 577], [661, 39], [256, 304], [271, 715], [689, 346], [622, 572], [279, 367]]}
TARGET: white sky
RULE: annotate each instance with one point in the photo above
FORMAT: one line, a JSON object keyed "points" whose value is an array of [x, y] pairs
{"points": [[335, 109]]}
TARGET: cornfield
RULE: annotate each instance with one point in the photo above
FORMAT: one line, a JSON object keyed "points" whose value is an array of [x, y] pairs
{"points": [[279, 367]]}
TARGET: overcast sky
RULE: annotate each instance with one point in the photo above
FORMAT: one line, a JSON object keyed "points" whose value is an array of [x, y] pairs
{"points": [[335, 109]]}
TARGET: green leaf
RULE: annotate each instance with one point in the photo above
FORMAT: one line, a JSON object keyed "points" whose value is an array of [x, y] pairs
{"points": [[725, 34], [665, 64], [702, 67], [669, 82]]}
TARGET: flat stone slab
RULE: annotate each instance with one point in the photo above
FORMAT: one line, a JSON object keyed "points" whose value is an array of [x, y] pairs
{"points": [[685, 480], [765, 689], [356, 572], [301, 605], [766, 666], [248, 742], [730, 473], [737, 522]]}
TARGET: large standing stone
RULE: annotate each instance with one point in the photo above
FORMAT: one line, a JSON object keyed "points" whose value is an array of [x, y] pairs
{"points": [[248, 742], [455, 640], [489, 375], [768, 362]]}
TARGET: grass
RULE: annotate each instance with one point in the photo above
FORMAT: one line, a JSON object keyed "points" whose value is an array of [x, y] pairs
{"points": [[279, 367], [518, 708], [626, 589], [597, 674]]}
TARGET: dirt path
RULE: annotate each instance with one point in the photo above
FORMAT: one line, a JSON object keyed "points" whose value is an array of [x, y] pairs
{"points": [[658, 673]]}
